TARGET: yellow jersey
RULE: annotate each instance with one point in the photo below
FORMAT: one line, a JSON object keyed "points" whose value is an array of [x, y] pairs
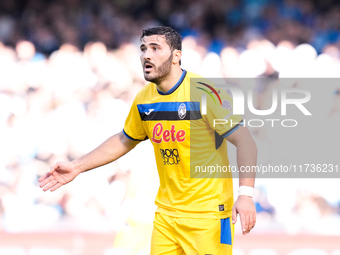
{"points": [[185, 143]]}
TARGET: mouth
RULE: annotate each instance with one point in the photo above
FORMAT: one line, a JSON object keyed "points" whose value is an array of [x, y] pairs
{"points": [[148, 67]]}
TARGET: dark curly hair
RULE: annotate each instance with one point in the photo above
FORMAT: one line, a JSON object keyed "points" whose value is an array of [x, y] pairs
{"points": [[172, 37]]}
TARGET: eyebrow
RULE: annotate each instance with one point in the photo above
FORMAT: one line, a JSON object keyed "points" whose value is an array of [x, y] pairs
{"points": [[151, 44]]}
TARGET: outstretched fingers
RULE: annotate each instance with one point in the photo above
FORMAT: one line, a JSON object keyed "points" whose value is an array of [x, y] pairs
{"points": [[47, 178], [56, 186], [42, 178], [50, 185]]}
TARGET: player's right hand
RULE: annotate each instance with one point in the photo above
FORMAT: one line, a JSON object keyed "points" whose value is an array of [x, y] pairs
{"points": [[60, 173]]}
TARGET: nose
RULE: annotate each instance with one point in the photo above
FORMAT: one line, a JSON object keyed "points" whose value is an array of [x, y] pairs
{"points": [[146, 55]]}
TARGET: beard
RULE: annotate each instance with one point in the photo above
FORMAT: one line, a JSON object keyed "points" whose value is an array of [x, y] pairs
{"points": [[161, 72]]}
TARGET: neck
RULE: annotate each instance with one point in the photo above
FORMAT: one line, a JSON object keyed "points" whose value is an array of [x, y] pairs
{"points": [[166, 84]]}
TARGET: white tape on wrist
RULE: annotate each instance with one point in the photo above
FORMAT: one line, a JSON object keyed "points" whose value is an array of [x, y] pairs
{"points": [[246, 191]]}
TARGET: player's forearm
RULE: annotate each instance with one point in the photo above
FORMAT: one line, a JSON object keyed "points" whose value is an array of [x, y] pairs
{"points": [[246, 160], [110, 150]]}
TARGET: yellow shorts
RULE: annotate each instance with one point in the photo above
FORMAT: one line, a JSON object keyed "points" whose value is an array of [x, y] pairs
{"points": [[191, 236]]}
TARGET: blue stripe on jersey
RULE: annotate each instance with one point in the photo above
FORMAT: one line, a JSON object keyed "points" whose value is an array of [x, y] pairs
{"points": [[167, 107], [176, 85], [225, 231], [133, 139], [232, 130]]}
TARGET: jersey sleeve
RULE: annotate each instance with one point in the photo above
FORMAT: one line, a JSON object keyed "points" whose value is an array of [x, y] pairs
{"points": [[133, 128], [220, 114]]}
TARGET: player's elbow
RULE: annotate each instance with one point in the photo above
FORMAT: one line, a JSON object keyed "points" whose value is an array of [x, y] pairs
{"points": [[244, 142], [252, 146]]}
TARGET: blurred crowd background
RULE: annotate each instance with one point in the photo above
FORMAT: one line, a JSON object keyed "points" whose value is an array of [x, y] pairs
{"points": [[69, 70]]}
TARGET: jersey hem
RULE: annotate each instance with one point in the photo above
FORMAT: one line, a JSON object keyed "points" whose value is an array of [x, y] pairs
{"points": [[133, 139], [197, 215], [232, 130]]}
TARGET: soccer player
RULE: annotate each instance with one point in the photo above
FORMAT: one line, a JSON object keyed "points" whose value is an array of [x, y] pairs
{"points": [[194, 215]]}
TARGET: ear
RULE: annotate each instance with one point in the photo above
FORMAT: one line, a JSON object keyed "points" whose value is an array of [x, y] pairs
{"points": [[177, 55]]}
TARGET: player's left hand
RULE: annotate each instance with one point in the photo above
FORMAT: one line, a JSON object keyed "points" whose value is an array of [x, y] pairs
{"points": [[245, 207]]}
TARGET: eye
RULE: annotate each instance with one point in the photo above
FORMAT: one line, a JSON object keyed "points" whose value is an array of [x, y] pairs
{"points": [[155, 48], [143, 49]]}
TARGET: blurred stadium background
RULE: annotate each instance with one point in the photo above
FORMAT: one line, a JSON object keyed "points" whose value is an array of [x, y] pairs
{"points": [[69, 70]]}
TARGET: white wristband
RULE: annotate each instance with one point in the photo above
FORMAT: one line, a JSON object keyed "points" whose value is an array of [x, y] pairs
{"points": [[246, 191]]}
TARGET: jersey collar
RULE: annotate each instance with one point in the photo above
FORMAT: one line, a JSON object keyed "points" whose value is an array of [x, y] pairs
{"points": [[176, 85]]}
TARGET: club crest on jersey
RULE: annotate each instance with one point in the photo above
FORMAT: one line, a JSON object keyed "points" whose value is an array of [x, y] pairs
{"points": [[182, 111]]}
